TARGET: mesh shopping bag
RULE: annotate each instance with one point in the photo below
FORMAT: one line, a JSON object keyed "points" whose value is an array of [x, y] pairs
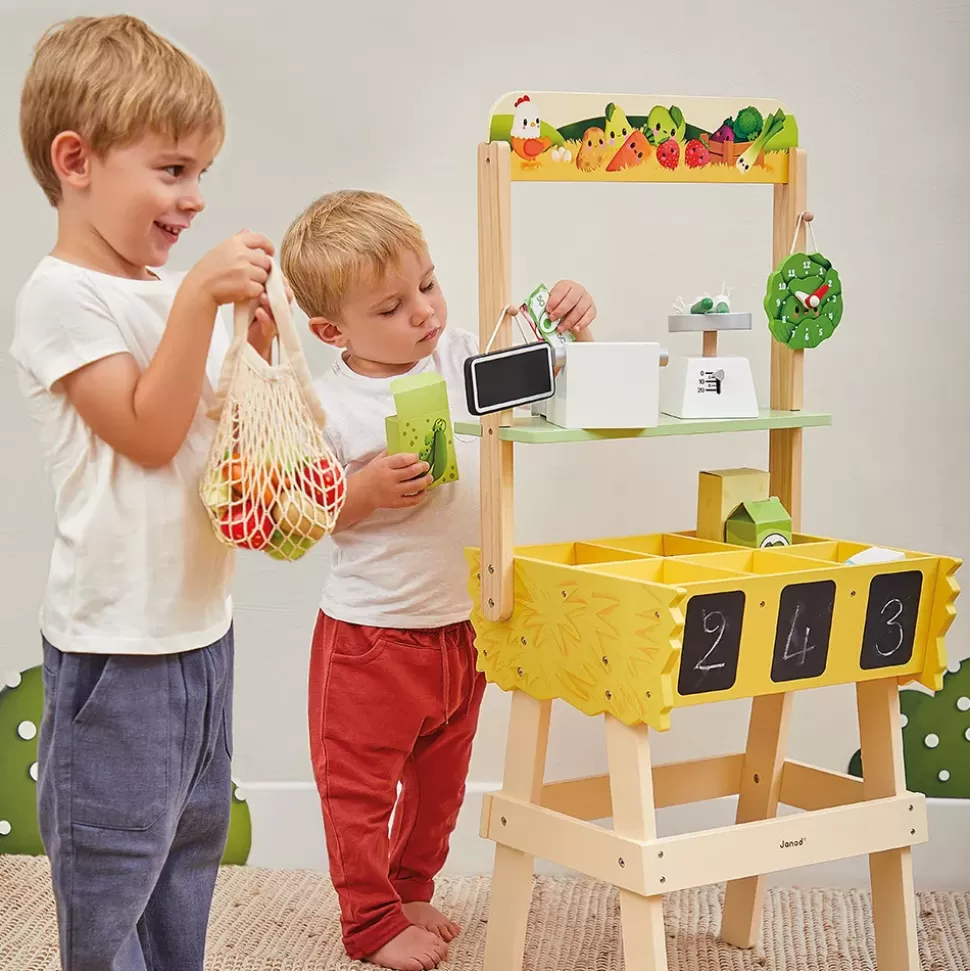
{"points": [[271, 482]]}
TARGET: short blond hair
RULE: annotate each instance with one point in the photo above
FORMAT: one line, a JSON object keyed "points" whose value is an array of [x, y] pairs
{"points": [[112, 80], [340, 239]]}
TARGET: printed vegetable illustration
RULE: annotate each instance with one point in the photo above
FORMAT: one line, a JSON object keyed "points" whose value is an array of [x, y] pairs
{"points": [[633, 152], [748, 124], [663, 123], [725, 133], [592, 153], [435, 450], [696, 154], [936, 737], [794, 318], [773, 126], [617, 125], [668, 154]]}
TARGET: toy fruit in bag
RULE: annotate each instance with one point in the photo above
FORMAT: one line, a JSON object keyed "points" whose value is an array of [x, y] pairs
{"points": [[271, 482]]}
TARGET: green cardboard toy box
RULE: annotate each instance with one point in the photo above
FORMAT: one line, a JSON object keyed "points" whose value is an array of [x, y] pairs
{"points": [[759, 524], [423, 424]]}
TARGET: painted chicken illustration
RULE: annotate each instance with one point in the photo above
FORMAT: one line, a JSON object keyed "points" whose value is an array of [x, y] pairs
{"points": [[526, 139]]}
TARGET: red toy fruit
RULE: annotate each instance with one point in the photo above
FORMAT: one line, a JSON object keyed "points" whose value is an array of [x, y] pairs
{"points": [[322, 482], [247, 526], [696, 154], [668, 154]]}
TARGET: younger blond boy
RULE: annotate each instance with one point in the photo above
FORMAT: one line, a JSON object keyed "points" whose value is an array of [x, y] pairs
{"points": [[117, 360], [394, 694]]}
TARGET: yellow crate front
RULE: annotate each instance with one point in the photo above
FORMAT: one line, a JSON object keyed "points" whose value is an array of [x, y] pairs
{"points": [[639, 625]]}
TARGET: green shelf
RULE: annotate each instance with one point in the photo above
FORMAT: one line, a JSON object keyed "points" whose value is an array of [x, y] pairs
{"points": [[538, 431]]}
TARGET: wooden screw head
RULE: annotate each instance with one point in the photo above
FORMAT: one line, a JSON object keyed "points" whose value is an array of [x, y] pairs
{"points": [[808, 216]]}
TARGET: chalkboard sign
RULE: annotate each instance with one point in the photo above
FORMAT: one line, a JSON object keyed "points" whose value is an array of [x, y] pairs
{"points": [[891, 619], [507, 379], [802, 631], [712, 640]]}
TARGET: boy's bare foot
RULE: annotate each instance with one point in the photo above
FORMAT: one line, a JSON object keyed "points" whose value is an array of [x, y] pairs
{"points": [[414, 949], [431, 919]]}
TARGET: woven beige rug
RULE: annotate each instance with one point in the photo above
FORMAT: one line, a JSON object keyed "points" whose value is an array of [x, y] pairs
{"points": [[286, 920]]}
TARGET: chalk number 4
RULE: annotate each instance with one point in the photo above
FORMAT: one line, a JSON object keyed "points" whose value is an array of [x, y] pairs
{"points": [[797, 644]]}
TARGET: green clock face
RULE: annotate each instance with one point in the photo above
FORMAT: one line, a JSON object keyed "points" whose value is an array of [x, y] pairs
{"points": [[804, 301]]}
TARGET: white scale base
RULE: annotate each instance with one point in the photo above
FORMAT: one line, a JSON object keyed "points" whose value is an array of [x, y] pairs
{"points": [[708, 387]]}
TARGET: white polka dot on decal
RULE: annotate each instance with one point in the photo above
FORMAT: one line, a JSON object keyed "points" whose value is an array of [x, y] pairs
{"points": [[963, 704], [4, 828], [27, 731], [943, 775], [953, 665], [34, 772], [931, 740], [966, 734], [904, 720], [12, 679], [240, 794]]}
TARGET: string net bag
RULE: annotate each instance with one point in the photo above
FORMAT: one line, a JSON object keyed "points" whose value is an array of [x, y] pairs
{"points": [[271, 482]]}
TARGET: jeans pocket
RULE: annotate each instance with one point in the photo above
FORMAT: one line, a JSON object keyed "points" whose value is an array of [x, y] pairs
{"points": [[227, 728], [121, 735]]}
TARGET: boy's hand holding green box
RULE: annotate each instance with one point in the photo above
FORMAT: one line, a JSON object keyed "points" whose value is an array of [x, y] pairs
{"points": [[422, 424]]}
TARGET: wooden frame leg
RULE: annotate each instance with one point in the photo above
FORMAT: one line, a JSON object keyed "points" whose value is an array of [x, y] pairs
{"points": [[890, 872], [634, 815], [764, 758], [511, 899]]}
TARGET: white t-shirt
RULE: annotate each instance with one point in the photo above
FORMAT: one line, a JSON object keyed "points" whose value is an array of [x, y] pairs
{"points": [[136, 567], [402, 568]]}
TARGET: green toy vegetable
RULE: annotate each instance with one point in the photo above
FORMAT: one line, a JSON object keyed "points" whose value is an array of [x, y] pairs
{"points": [[773, 126], [703, 306], [748, 124], [435, 451], [803, 301]]}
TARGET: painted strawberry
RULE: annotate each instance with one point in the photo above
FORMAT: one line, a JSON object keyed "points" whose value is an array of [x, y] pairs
{"points": [[668, 153], [696, 154]]}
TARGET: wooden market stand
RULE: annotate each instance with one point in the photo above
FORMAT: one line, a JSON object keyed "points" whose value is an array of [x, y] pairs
{"points": [[842, 816]]}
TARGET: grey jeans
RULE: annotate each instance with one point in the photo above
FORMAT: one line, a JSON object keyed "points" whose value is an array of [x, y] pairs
{"points": [[133, 800]]}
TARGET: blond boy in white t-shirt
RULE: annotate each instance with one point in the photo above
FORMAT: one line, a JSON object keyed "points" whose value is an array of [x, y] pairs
{"points": [[393, 691], [117, 363]]}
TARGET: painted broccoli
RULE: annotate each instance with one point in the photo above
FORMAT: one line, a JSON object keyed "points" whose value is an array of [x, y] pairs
{"points": [[803, 301], [747, 125], [936, 737], [21, 709]]}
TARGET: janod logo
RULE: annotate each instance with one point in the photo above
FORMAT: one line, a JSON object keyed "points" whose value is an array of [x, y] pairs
{"points": [[789, 844]]}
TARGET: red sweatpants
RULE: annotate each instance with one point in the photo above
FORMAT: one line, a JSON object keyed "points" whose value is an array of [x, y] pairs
{"points": [[387, 707]]}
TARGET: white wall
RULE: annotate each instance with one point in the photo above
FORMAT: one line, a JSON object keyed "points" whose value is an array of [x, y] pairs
{"points": [[395, 96]]}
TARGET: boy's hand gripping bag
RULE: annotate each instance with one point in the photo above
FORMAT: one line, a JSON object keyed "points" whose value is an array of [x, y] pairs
{"points": [[271, 482]]}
